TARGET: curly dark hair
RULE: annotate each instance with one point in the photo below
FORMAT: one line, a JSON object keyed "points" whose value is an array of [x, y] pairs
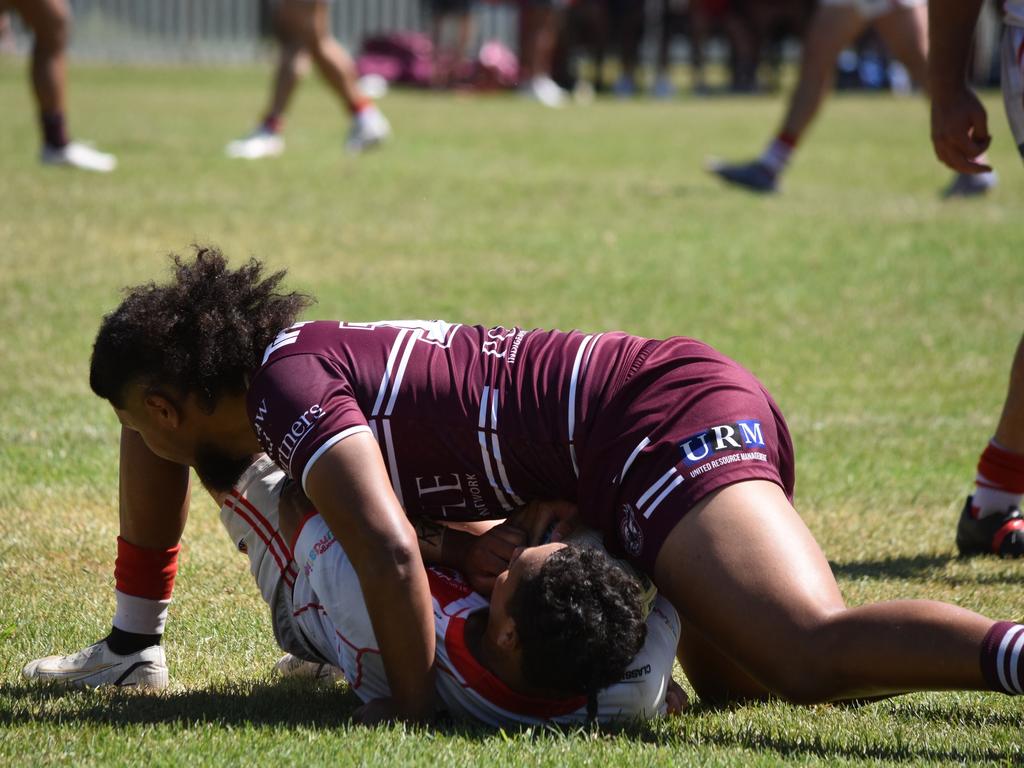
{"points": [[580, 622], [203, 333]]}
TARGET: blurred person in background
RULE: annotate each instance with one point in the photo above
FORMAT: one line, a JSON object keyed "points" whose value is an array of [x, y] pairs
{"points": [[991, 521], [303, 29], [902, 25], [540, 23], [450, 61], [50, 22]]}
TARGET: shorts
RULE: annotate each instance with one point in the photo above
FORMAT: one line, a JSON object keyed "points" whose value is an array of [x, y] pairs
{"points": [[1013, 83], [875, 9], [688, 422]]}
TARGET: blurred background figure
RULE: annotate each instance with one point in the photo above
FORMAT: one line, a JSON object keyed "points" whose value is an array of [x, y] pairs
{"points": [[902, 26], [451, 31], [303, 29], [540, 24], [50, 23]]}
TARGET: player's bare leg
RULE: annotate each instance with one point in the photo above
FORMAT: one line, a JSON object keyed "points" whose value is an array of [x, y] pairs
{"points": [[50, 22], [538, 36], [832, 28], [744, 569], [267, 140], [905, 33], [715, 677], [308, 23], [991, 521], [154, 501]]}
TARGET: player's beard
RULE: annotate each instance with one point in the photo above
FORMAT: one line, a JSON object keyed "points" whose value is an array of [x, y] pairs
{"points": [[217, 470]]}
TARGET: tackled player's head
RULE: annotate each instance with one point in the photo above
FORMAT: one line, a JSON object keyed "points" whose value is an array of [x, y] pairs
{"points": [[169, 353], [578, 618]]}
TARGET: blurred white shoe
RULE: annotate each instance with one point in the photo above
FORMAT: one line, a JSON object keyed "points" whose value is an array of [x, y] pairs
{"points": [[292, 666], [259, 143], [546, 91], [369, 129], [98, 665], [74, 154]]}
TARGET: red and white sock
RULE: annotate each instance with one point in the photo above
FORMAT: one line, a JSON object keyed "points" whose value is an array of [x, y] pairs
{"points": [[999, 484], [1002, 660], [272, 123], [361, 106], [144, 580], [776, 154]]}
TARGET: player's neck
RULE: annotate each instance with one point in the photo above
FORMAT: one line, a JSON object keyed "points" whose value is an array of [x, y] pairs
{"points": [[501, 664], [228, 427]]}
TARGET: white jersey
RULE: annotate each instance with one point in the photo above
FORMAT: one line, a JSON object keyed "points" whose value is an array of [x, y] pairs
{"points": [[1013, 12], [328, 609], [250, 516]]}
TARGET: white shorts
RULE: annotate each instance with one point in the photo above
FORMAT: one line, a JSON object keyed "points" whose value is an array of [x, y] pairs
{"points": [[875, 9], [1013, 83]]}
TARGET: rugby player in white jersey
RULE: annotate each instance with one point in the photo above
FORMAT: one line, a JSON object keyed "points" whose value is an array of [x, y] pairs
{"points": [[991, 519], [522, 657], [835, 25], [675, 454]]}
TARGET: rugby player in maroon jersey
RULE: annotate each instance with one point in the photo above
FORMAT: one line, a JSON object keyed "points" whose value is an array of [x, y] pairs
{"points": [[674, 452]]}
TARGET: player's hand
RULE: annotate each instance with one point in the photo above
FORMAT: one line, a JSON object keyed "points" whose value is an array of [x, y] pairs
{"points": [[490, 553], [959, 129], [676, 700], [375, 712], [541, 519]]}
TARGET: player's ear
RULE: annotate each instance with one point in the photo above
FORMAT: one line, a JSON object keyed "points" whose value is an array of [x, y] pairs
{"points": [[162, 409], [507, 636]]}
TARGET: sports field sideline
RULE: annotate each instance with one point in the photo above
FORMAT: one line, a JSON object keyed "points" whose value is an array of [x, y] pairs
{"points": [[882, 318]]}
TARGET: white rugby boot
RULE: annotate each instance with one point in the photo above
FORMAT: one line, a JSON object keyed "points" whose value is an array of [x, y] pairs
{"points": [[544, 90], [292, 666], [98, 665], [74, 154], [369, 129], [258, 144]]}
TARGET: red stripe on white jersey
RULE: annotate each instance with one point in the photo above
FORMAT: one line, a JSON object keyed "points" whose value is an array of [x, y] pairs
{"points": [[284, 565]]}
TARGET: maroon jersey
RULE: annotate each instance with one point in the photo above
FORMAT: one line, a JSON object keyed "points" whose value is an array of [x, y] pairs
{"points": [[473, 421]]}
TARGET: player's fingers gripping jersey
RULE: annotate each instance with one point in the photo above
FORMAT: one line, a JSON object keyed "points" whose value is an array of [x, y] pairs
{"points": [[689, 421]]}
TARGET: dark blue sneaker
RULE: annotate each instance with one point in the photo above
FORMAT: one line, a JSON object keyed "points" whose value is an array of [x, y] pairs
{"points": [[754, 176], [995, 534], [971, 184]]}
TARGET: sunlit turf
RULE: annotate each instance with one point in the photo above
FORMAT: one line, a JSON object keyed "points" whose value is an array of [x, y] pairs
{"points": [[881, 317]]}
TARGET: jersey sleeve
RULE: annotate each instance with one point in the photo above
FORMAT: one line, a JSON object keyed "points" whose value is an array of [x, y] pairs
{"points": [[299, 407]]}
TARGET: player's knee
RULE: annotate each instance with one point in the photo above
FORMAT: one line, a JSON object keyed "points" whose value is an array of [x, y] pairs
{"points": [[809, 672], [54, 30]]}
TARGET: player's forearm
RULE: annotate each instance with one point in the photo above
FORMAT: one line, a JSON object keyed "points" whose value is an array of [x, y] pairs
{"points": [[447, 544], [154, 499], [951, 34], [154, 495], [400, 609]]}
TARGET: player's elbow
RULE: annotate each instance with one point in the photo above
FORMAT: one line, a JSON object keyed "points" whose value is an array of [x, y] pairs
{"points": [[395, 558]]}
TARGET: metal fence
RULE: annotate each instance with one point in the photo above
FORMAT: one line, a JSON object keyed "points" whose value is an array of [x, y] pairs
{"points": [[224, 31], [235, 30]]}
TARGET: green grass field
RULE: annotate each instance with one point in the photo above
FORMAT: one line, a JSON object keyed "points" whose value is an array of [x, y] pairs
{"points": [[882, 318]]}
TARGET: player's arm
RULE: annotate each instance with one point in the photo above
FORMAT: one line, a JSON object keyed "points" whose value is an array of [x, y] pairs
{"points": [[154, 499], [959, 123], [154, 495], [349, 486]]}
